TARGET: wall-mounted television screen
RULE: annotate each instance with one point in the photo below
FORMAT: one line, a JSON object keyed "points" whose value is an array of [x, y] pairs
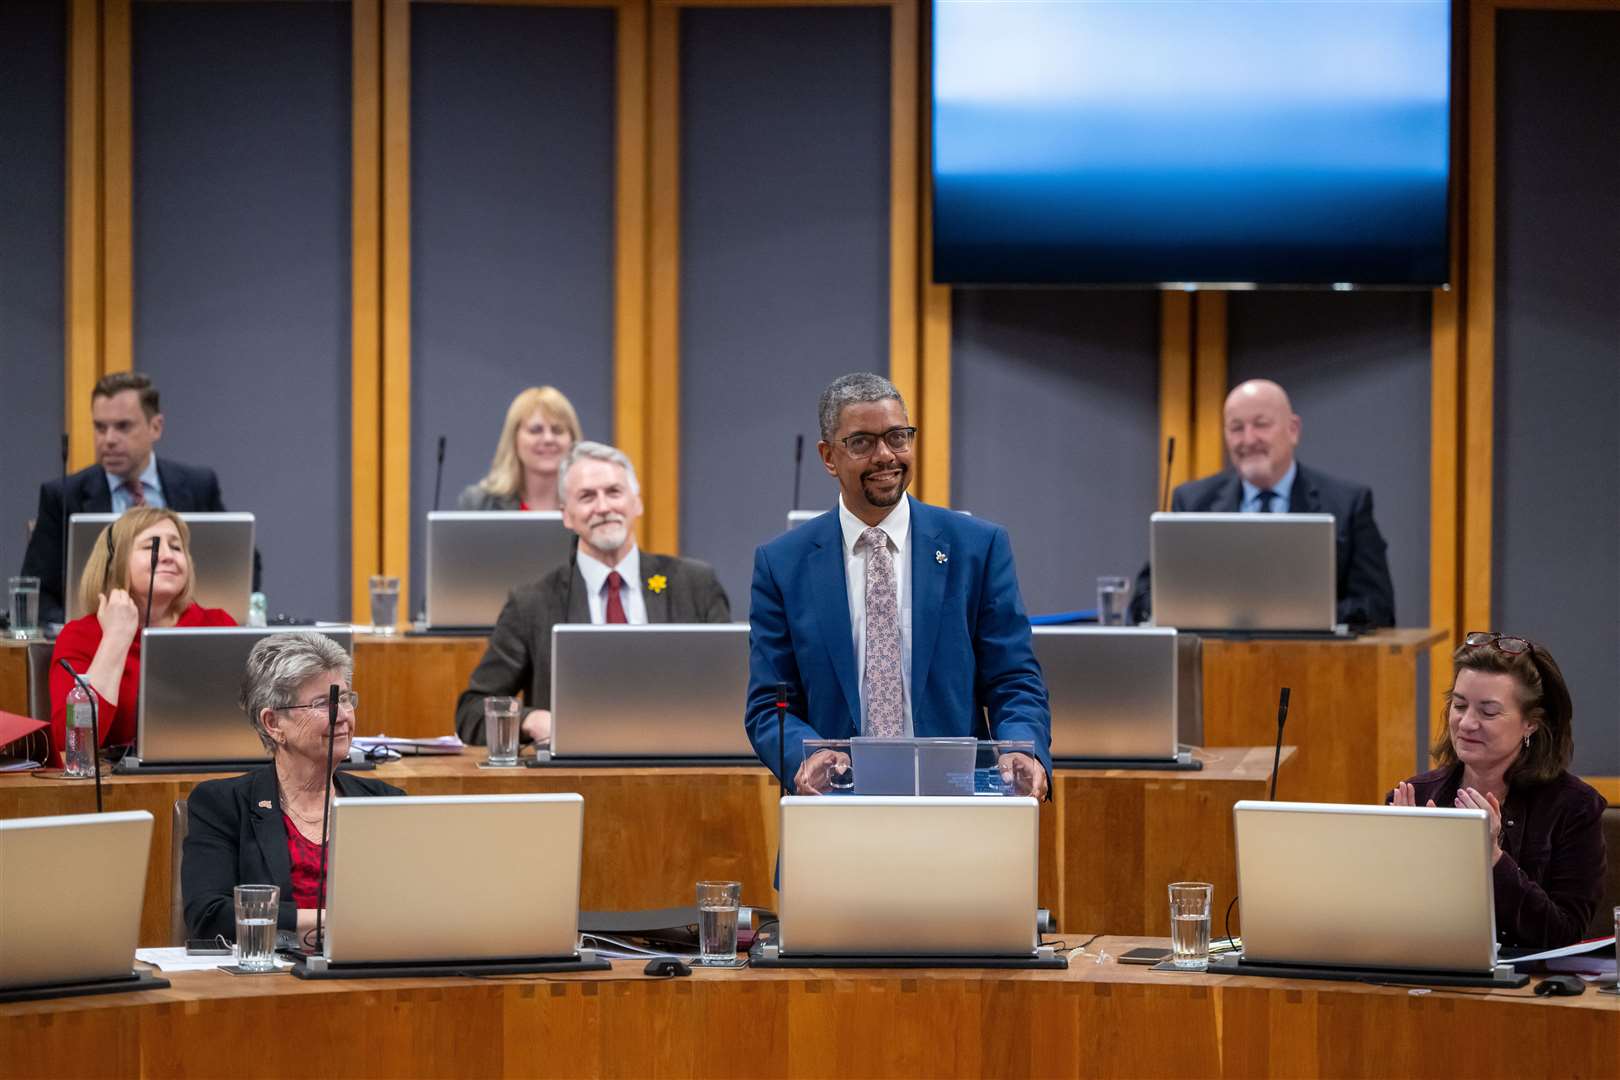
{"points": [[1152, 142]]}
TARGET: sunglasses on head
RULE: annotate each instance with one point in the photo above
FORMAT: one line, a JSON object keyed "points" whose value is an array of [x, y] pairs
{"points": [[1503, 643]]}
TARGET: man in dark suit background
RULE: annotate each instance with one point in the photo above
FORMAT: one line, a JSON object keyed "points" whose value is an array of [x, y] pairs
{"points": [[609, 581], [886, 616], [1262, 433], [128, 421]]}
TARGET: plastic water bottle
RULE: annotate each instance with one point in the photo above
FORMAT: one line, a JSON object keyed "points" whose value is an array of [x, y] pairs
{"points": [[79, 757], [258, 610]]}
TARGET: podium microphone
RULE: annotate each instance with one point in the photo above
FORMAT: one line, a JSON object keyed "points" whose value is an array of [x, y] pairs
{"points": [[95, 726], [798, 471], [781, 728], [438, 474], [1169, 459], [326, 810], [1276, 757]]}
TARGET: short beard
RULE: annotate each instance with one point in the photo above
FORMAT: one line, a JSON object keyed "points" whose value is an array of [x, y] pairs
{"points": [[596, 536], [887, 500]]}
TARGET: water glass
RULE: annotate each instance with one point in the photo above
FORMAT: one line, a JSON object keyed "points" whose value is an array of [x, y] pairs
{"points": [[718, 903], [24, 607], [256, 909], [384, 603], [501, 716], [1113, 600], [1189, 924]]}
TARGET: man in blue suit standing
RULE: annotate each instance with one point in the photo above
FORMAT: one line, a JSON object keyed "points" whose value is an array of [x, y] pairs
{"points": [[887, 616]]}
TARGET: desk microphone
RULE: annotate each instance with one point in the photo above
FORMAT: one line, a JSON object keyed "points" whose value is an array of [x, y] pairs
{"points": [[1276, 757], [1169, 459], [781, 727], [326, 809], [438, 474], [798, 470], [95, 726], [151, 580]]}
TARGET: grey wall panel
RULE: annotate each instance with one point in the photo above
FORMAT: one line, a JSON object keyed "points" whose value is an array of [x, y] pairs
{"points": [[33, 74], [1556, 557], [242, 307], [512, 142], [1054, 431], [1357, 366], [784, 257]]}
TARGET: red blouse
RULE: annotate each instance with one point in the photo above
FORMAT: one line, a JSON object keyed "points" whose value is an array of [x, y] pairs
{"points": [[306, 865], [77, 644]]}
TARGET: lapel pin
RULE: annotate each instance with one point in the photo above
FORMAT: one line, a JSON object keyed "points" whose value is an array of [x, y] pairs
{"points": [[940, 557], [264, 804]]}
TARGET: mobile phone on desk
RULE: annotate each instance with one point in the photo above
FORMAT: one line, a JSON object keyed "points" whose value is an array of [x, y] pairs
{"points": [[1144, 956], [207, 947]]}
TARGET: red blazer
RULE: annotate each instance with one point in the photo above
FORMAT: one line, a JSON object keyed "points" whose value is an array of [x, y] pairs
{"points": [[77, 644]]}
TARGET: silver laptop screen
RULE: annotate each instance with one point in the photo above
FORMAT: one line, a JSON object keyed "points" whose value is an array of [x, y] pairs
{"points": [[475, 558], [1113, 690], [221, 557], [1243, 571]]}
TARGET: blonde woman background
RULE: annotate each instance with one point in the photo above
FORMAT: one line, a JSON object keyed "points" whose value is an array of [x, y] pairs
{"points": [[541, 427]]}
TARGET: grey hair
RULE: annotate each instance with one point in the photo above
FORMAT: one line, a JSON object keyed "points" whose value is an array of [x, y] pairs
{"points": [[856, 388], [595, 451], [279, 664]]}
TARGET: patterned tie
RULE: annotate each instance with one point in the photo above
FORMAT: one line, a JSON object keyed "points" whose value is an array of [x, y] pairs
{"points": [[1266, 497], [615, 604], [137, 492], [885, 703]]}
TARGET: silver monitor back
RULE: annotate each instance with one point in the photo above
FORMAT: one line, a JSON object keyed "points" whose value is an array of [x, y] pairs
{"points": [[221, 558], [1366, 886], [191, 682], [909, 876], [454, 877], [796, 518], [1244, 571], [71, 890], [663, 690], [1114, 690], [475, 558]]}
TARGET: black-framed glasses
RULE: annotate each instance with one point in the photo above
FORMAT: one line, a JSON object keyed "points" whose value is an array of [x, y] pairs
{"points": [[349, 699], [1504, 643], [864, 443]]}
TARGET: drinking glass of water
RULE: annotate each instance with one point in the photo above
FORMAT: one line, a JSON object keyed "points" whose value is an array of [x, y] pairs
{"points": [[1113, 600], [384, 603], [256, 908], [501, 715], [24, 607], [1189, 924], [718, 903]]}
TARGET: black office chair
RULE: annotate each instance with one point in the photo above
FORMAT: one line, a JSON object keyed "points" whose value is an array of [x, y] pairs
{"points": [[1603, 917]]}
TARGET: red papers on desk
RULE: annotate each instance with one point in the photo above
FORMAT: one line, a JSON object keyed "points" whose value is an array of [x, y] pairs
{"points": [[14, 729]]}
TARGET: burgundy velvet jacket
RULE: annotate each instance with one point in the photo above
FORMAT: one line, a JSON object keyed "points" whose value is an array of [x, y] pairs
{"points": [[1549, 879]]}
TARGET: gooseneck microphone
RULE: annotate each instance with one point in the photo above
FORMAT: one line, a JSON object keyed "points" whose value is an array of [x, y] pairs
{"points": [[798, 470], [95, 726], [326, 809], [1276, 757], [151, 581], [781, 732], [438, 474], [1169, 459]]}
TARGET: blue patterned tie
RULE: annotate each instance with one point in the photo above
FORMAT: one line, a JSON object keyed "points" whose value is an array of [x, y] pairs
{"points": [[885, 702]]}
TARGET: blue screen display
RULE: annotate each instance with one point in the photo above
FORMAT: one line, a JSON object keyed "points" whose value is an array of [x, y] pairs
{"points": [[1153, 141]]}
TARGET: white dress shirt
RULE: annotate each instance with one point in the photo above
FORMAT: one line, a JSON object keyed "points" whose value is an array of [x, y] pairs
{"points": [[151, 488], [595, 572], [898, 527]]}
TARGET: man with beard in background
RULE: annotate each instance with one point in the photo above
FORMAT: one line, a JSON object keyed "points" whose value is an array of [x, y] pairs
{"points": [[610, 581]]}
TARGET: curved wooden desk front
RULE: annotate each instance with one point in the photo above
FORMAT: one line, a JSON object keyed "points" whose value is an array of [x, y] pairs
{"points": [[1092, 1020]]}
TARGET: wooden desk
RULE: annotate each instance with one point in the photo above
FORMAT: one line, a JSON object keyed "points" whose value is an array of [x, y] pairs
{"points": [[1092, 1020], [408, 686], [1110, 841], [1353, 714]]}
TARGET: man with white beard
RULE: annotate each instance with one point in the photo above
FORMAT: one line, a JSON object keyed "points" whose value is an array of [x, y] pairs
{"points": [[610, 581]]}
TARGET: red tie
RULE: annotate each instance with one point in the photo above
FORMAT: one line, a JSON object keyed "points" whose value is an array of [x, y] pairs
{"points": [[137, 493], [615, 605]]}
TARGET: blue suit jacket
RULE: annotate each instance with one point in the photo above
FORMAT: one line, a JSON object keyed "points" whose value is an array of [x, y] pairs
{"points": [[970, 642]]}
